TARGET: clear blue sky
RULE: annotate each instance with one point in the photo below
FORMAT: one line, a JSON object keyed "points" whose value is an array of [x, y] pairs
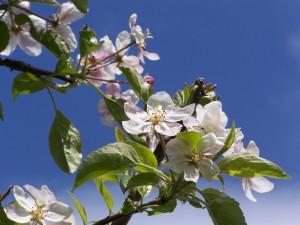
{"points": [[249, 48]]}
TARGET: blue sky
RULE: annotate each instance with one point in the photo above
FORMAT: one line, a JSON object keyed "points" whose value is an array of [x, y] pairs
{"points": [[250, 49]]}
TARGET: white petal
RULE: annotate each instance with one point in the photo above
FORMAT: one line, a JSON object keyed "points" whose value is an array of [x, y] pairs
{"points": [[24, 199], [17, 213], [58, 211], [69, 37], [180, 113], [191, 173], [210, 144], [130, 61], [252, 148], [161, 98], [247, 189], [69, 13], [177, 164], [130, 96], [107, 118], [178, 147], [132, 20], [38, 22], [151, 55], [208, 169], [134, 112], [42, 196], [139, 69], [134, 127], [168, 129], [123, 40], [261, 184], [29, 44], [12, 44], [200, 112]]}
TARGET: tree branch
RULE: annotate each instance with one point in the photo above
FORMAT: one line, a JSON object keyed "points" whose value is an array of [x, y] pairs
{"points": [[24, 67]]}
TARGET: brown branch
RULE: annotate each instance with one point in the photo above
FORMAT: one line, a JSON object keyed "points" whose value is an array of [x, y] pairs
{"points": [[24, 67]]}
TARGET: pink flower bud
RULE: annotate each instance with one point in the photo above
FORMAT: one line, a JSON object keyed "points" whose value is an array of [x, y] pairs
{"points": [[149, 79]]}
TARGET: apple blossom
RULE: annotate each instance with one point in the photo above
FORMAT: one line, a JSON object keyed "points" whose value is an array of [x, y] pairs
{"points": [[258, 184], [40, 208], [19, 34], [162, 116], [194, 162], [210, 119], [66, 15], [140, 39]]}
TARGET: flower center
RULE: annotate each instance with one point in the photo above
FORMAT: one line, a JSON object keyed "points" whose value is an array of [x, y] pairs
{"points": [[157, 115], [38, 214], [195, 159]]}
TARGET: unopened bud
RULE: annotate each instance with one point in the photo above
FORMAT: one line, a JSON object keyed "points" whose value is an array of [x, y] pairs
{"points": [[149, 79]]}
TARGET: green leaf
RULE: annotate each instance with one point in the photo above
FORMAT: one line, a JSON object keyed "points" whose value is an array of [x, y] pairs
{"points": [[145, 154], [1, 112], [26, 83], [128, 207], [65, 143], [196, 202], [120, 137], [50, 2], [191, 137], [182, 97], [64, 66], [110, 160], [49, 38], [142, 179], [249, 165], [227, 144], [4, 37], [166, 208], [222, 209], [85, 43], [81, 5], [80, 209], [105, 194], [137, 83], [4, 220]]}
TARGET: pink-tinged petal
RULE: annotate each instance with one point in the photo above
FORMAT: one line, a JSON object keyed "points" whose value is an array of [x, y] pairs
{"points": [[130, 96], [191, 173], [132, 20], [246, 187], [123, 40], [151, 56], [208, 169], [113, 89], [140, 54], [168, 129], [134, 127], [161, 98], [69, 13], [17, 213], [102, 106], [178, 147], [108, 46], [12, 44], [24, 199], [29, 45], [180, 113], [57, 212], [261, 184], [139, 69], [68, 36], [134, 112], [130, 61], [107, 118], [252, 148]]}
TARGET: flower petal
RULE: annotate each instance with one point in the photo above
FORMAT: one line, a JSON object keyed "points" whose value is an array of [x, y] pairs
{"points": [[58, 211], [113, 89], [122, 41], [68, 13], [69, 37], [252, 148], [178, 147], [151, 55], [24, 199], [161, 98], [208, 169], [261, 184], [134, 127], [12, 44], [168, 129], [191, 173], [29, 45], [42, 196], [134, 112], [210, 145], [246, 183], [17, 213], [180, 113], [130, 61]]}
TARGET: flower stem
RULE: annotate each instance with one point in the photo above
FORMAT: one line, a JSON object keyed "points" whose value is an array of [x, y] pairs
{"points": [[52, 98]]}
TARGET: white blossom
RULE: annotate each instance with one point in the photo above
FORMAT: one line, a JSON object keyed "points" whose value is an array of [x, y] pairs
{"points": [[194, 162], [162, 116], [40, 208]]}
